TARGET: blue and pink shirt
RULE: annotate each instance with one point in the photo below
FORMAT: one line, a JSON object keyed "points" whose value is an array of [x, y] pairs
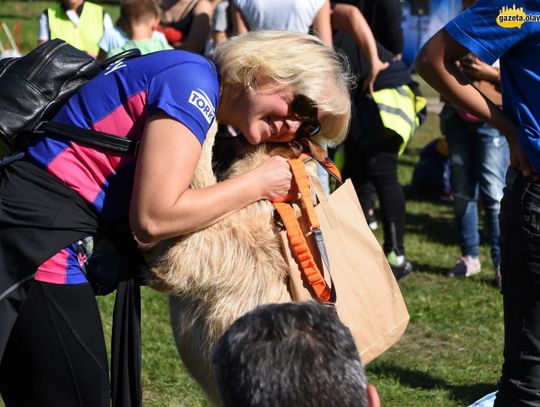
{"points": [[118, 101]]}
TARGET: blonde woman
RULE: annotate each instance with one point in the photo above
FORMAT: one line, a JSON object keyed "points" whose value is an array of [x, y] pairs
{"points": [[271, 86]]}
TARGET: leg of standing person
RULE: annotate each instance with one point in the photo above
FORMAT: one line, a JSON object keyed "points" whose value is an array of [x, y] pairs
{"points": [[462, 144], [56, 353], [520, 272], [369, 197], [377, 164], [492, 162]]}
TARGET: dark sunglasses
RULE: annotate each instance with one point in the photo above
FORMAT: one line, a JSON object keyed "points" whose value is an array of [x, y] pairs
{"points": [[305, 110]]}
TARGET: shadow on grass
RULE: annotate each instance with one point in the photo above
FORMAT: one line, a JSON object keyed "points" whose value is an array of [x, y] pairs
{"points": [[435, 228], [463, 394], [430, 268]]}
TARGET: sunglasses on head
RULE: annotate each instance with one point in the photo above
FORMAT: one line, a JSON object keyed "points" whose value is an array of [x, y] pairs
{"points": [[305, 110]]}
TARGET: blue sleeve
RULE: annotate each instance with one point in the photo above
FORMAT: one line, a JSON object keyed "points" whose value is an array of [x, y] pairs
{"points": [[477, 29], [189, 93]]}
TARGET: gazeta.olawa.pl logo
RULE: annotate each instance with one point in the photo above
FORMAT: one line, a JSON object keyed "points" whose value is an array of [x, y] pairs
{"points": [[515, 17]]}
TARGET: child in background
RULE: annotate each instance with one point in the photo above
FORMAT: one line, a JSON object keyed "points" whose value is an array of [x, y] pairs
{"points": [[135, 29]]}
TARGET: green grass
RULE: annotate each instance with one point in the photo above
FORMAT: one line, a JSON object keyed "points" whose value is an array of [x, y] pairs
{"points": [[451, 352]]}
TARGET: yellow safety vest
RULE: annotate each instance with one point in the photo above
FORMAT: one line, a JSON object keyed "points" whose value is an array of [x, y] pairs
{"points": [[399, 108], [88, 32]]}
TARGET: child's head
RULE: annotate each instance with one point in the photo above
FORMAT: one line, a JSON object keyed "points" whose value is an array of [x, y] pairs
{"points": [[72, 4], [136, 12]]}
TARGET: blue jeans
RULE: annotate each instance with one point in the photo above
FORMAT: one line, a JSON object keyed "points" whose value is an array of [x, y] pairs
{"points": [[520, 271], [479, 158]]}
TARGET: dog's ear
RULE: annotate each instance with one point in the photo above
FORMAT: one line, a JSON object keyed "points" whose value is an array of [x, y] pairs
{"points": [[313, 149], [226, 151]]}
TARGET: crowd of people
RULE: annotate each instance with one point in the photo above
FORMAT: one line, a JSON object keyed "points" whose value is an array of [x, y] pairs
{"points": [[341, 61]]}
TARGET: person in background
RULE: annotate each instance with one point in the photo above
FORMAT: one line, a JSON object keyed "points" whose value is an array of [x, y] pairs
{"points": [[78, 22], [186, 23], [350, 19], [289, 15], [493, 30], [381, 127], [63, 192], [479, 158], [221, 25], [292, 354], [139, 18]]}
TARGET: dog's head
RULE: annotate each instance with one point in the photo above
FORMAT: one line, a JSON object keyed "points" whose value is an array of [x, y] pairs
{"points": [[228, 151]]}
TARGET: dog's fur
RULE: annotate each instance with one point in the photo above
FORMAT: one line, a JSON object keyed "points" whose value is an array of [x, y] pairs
{"points": [[218, 274]]}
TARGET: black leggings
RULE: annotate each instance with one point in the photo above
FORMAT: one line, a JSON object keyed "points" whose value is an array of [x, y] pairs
{"points": [[56, 353], [377, 164]]}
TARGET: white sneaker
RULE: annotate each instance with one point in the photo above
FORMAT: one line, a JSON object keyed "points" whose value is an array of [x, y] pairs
{"points": [[465, 266]]}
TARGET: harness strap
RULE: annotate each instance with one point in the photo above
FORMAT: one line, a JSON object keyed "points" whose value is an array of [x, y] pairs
{"points": [[298, 243], [302, 182], [305, 259]]}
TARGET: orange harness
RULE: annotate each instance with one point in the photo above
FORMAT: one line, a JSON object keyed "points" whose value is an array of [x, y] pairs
{"points": [[298, 243]]}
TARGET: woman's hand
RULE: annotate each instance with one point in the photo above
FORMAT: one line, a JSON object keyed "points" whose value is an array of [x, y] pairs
{"points": [[377, 67], [275, 178], [477, 69]]}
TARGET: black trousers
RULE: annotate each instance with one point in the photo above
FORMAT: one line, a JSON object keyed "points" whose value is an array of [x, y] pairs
{"points": [[56, 353], [520, 269], [376, 164]]}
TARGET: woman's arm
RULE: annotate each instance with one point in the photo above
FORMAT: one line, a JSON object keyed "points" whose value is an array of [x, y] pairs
{"points": [[199, 31], [239, 23], [163, 205], [349, 19], [321, 24], [436, 63]]}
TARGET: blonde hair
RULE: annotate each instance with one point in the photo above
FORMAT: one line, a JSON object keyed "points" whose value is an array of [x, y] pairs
{"points": [[299, 61]]}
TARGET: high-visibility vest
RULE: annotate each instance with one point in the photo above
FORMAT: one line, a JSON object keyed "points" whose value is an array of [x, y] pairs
{"points": [[88, 32], [399, 108]]}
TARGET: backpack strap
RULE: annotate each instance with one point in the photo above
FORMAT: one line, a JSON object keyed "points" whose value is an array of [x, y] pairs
{"points": [[307, 263], [92, 137]]}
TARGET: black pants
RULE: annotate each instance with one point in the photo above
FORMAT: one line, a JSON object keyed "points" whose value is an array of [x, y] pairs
{"points": [[520, 269], [56, 352], [377, 164]]}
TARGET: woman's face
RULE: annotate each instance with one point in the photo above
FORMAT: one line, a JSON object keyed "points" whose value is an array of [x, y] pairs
{"points": [[266, 115]]}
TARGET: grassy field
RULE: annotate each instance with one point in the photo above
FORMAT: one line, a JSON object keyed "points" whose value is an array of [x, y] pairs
{"points": [[451, 352]]}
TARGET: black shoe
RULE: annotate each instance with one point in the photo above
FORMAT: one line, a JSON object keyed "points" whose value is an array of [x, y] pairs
{"points": [[400, 266]]}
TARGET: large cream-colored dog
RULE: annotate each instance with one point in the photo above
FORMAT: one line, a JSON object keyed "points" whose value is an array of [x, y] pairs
{"points": [[218, 274]]}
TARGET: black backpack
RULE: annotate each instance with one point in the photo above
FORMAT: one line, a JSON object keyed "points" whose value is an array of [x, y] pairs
{"points": [[34, 87]]}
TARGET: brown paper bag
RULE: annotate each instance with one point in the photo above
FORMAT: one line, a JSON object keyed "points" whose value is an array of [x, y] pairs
{"points": [[368, 298]]}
